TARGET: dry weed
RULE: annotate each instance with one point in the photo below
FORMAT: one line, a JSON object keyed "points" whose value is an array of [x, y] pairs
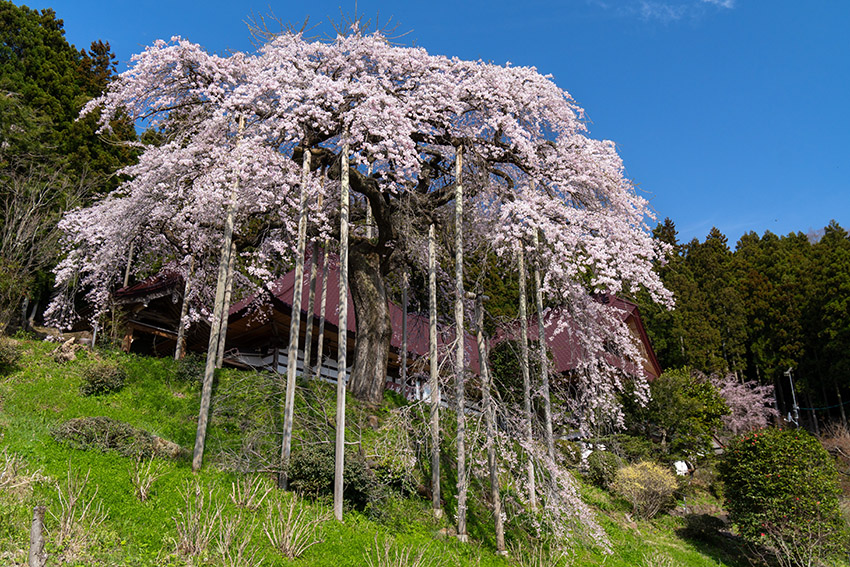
{"points": [[232, 540], [249, 492], [196, 523], [386, 555], [540, 555], [79, 516], [292, 529], [143, 475]]}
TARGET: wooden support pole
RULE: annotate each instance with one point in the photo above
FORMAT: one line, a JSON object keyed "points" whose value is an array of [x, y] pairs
{"points": [[311, 305], [434, 381], [544, 359], [129, 263], [404, 306], [460, 368], [180, 349], [215, 324], [339, 446], [323, 304], [489, 410], [526, 375], [294, 324], [225, 316], [37, 557]]}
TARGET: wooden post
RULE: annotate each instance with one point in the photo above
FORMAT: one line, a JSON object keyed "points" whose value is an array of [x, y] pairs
{"points": [[180, 349], [294, 324], [37, 557], [544, 360], [320, 340], [840, 404], [129, 262], [490, 425], [225, 310], [434, 382], [215, 324], [311, 301], [404, 300], [369, 221], [339, 449], [460, 369], [526, 375]]}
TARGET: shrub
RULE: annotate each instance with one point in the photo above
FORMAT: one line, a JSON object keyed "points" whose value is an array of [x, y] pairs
{"points": [[9, 355], [189, 369], [311, 471], [781, 491], [602, 467], [647, 486], [102, 377], [105, 434]]}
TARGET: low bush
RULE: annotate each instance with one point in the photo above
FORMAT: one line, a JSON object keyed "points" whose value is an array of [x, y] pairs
{"points": [[9, 355], [311, 472], [102, 377], [781, 491], [647, 486], [189, 369], [602, 467], [106, 434]]}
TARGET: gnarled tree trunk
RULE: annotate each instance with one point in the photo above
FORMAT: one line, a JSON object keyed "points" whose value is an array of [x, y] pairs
{"points": [[374, 330]]}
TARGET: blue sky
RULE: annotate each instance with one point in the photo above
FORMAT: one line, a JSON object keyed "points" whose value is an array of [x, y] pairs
{"points": [[728, 113]]}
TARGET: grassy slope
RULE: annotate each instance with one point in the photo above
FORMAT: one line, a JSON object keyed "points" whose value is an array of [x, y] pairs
{"points": [[41, 393]]}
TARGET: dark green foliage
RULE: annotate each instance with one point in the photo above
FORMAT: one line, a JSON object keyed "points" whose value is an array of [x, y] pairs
{"points": [[701, 527], [102, 377], [105, 434], [9, 355], [311, 472], [189, 369], [781, 488], [684, 411], [602, 467], [506, 369]]}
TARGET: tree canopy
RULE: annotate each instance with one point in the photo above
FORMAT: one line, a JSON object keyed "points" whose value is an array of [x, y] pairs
{"points": [[529, 166]]}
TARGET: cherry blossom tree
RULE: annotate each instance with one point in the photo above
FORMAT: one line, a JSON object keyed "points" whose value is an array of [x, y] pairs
{"points": [[529, 168]]}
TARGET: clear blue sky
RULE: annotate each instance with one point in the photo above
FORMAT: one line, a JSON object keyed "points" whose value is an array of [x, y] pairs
{"points": [[728, 113]]}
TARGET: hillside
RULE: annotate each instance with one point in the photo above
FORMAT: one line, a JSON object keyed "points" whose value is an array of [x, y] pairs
{"points": [[388, 522]]}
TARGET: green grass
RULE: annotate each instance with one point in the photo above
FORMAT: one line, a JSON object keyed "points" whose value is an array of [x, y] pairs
{"points": [[38, 394]]}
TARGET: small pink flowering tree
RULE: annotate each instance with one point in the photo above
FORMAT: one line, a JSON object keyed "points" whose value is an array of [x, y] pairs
{"points": [[529, 167]]}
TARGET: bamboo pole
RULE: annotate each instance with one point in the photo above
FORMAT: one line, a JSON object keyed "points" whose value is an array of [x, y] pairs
{"points": [[433, 381], [490, 425], [460, 385], [294, 324], [180, 349], [526, 375], [311, 300], [215, 324], [339, 449], [544, 360], [228, 292]]}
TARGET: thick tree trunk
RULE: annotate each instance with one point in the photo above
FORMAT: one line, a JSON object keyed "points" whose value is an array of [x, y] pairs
{"points": [[374, 329]]}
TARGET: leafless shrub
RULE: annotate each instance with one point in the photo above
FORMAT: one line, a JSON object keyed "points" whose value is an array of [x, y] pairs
{"points": [[196, 523], [539, 555], [657, 558], [79, 516], [13, 473], [386, 555], [143, 475], [249, 492], [232, 540], [292, 529]]}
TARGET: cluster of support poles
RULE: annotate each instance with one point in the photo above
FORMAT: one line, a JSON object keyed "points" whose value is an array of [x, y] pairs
{"points": [[218, 330]]}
